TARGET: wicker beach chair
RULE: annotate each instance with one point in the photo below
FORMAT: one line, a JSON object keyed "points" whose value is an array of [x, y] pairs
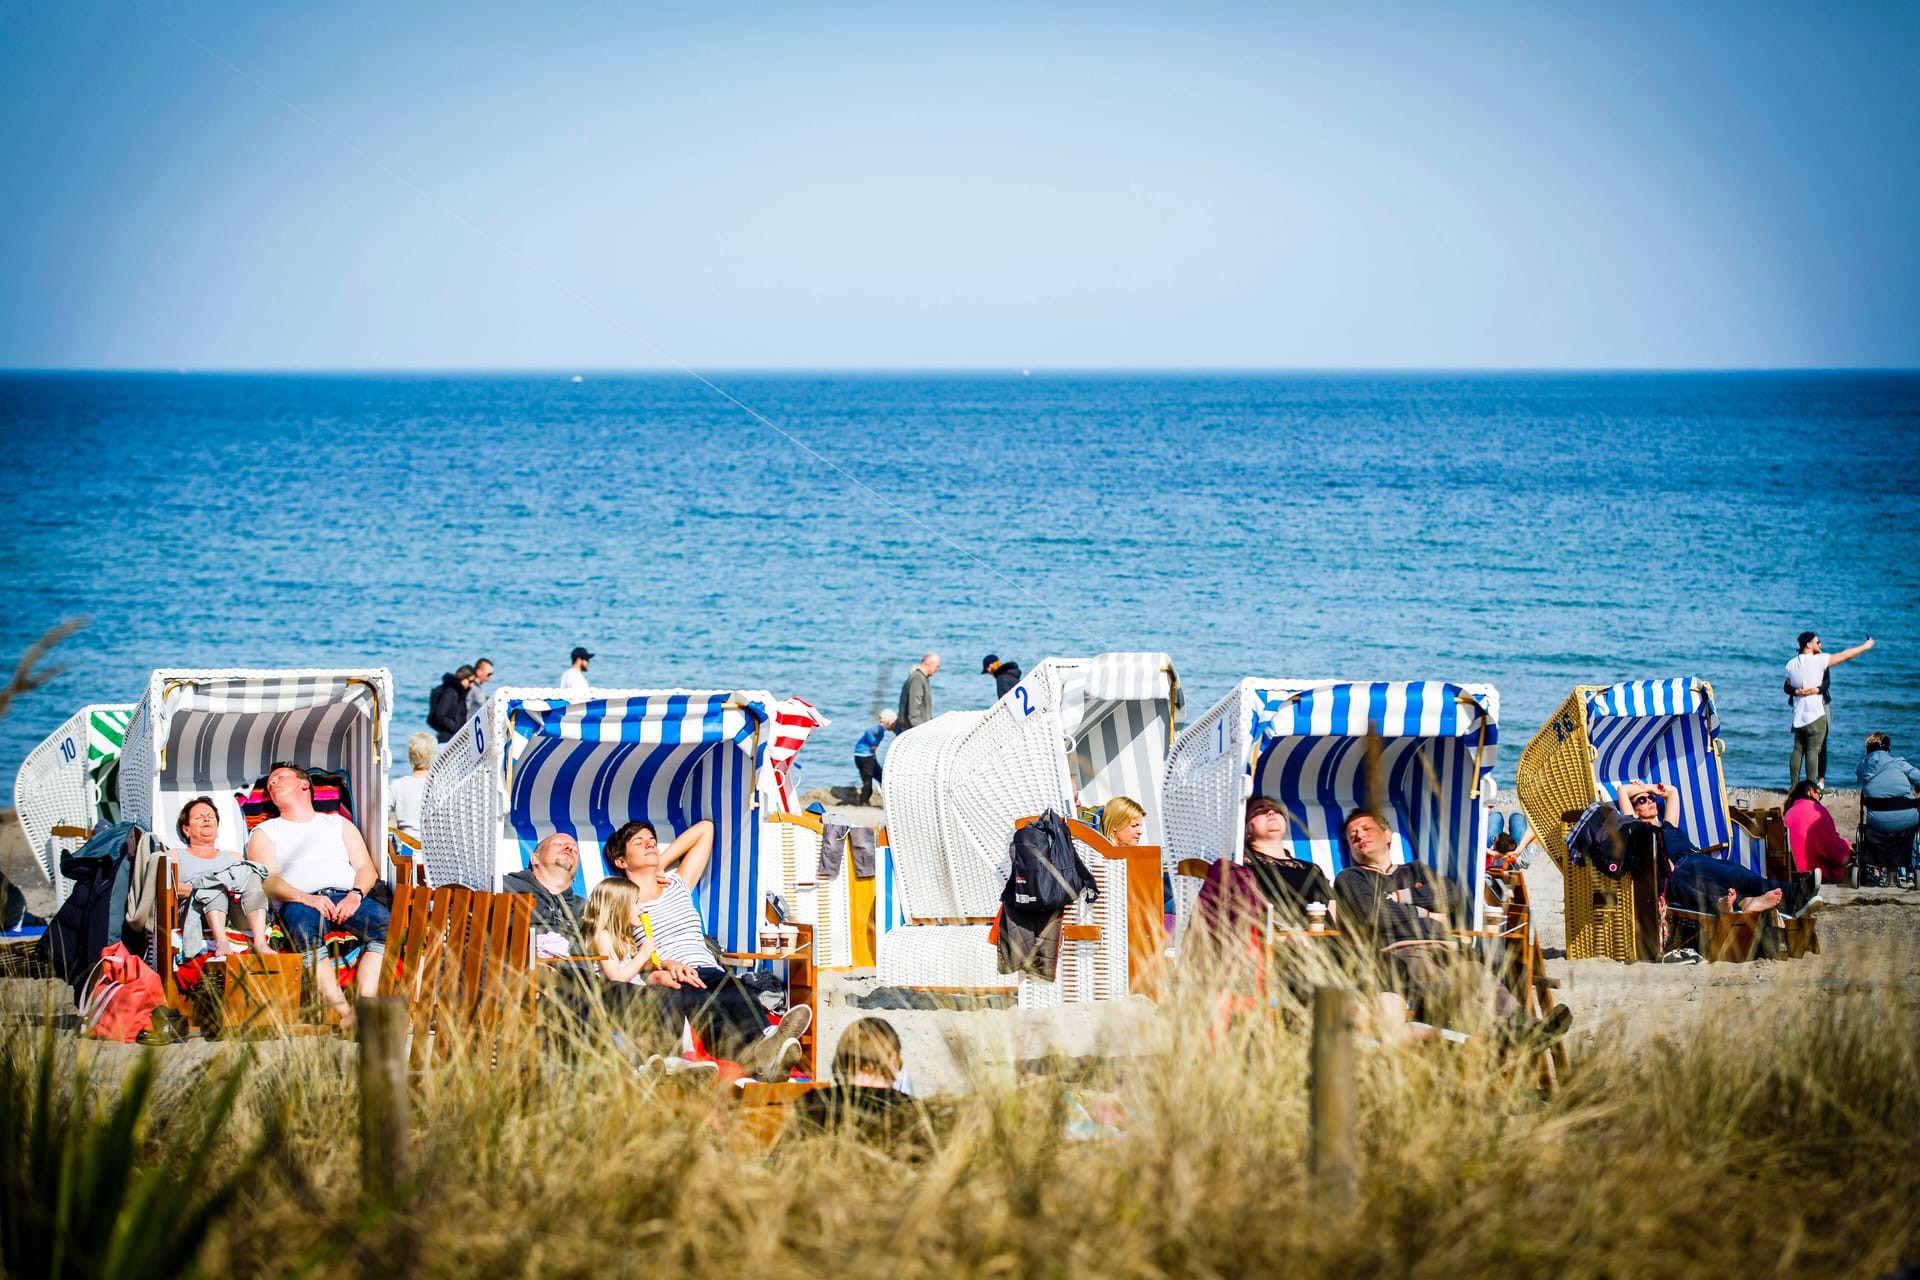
{"points": [[1604, 736], [1073, 732], [1304, 744], [71, 781], [537, 761]]}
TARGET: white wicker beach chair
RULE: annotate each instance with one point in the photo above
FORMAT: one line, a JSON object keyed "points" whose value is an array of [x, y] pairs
{"points": [[1304, 744], [536, 761], [214, 732], [1074, 728], [71, 780], [1598, 739]]}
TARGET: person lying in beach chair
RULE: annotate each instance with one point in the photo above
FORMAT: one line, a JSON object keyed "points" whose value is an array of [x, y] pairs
{"points": [[668, 933], [318, 874], [1290, 884], [1396, 911]]}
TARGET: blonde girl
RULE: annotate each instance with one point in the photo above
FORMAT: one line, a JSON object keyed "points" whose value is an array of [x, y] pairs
{"points": [[612, 917], [1123, 821]]}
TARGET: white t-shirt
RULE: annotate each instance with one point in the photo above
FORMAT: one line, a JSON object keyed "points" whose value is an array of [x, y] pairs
{"points": [[573, 680], [1805, 671], [311, 855], [403, 802]]}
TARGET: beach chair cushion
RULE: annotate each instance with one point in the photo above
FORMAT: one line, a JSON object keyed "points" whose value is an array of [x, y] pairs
{"points": [[332, 793]]}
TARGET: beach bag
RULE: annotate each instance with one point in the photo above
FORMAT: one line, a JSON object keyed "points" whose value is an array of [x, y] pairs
{"points": [[1596, 839], [124, 994], [1230, 905], [1046, 873]]}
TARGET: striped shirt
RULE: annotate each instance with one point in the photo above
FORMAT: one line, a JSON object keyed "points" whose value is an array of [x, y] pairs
{"points": [[671, 927]]}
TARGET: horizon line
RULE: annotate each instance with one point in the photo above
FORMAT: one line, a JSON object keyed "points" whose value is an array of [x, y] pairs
{"points": [[1012, 370]]}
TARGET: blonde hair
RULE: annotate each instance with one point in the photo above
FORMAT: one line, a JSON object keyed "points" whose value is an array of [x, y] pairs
{"points": [[420, 748], [1119, 812], [869, 1046], [610, 911]]}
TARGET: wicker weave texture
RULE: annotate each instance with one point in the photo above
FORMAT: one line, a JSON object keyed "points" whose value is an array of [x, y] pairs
{"points": [[1555, 776], [52, 789], [1206, 787], [913, 797], [938, 955], [461, 813]]}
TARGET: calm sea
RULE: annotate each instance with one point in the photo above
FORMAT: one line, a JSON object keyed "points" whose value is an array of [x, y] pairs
{"points": [[1534, 531]]}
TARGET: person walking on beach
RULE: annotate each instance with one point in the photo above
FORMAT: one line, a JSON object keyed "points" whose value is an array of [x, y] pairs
{"points": [[866, 754], [477, 695], [574, 678], [1806, 680], [1005, 674], [916, 695], [447, 710]]}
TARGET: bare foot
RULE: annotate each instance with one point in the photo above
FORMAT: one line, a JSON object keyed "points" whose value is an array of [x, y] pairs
{"points": [[260, 947], [221, 947], [345, 1011], [1730, 908], [1765, 902]]}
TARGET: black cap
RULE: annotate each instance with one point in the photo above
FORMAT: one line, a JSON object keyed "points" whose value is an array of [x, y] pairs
{"points": [[579, 652], [987, 663]]}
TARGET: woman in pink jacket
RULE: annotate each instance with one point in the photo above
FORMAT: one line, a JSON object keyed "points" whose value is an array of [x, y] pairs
{"points": [[1815, 842]]}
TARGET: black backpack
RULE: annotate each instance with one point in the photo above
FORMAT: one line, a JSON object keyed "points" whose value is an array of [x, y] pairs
{"points": [[1047, 872], [1598, 839]]}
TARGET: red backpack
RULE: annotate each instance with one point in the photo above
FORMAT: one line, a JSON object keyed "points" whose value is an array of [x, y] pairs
{"points": [[124, 994]]}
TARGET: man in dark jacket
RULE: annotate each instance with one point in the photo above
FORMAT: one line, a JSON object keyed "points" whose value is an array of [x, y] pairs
{"points": [[447, 710], [549, 878], [1005, 674], [1398, 911]]}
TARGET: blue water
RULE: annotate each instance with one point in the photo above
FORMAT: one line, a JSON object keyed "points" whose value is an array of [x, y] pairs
{"points": [[1534, 531]]}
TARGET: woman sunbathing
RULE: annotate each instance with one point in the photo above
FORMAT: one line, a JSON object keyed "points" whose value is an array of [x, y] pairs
{"points": [[726, 1016], [206, 873]]}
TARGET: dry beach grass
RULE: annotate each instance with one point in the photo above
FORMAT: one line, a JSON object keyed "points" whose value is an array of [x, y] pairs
{"points": [[1768, 1136]]}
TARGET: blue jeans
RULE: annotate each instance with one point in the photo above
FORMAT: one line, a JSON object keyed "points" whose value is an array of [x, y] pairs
{"points": [[1700, 883], [305, 927]]}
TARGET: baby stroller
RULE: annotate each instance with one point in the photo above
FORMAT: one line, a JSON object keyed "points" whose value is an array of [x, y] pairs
{"points": [[1885, 859]]}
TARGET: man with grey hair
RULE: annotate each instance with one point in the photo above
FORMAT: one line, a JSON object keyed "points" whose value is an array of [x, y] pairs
{"points": [[404, 794], [549, 878], [916, 695]]}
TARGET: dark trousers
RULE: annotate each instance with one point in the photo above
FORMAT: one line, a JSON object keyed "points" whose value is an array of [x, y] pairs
{"points": [[1700, 883], [726, 1016], [869, 767]]}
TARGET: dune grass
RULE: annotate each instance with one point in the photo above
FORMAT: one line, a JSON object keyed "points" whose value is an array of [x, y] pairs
{"points": [[1776, 1138]]}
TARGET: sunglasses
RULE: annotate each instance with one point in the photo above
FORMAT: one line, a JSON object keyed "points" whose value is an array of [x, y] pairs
{"points": [[1646, 797]]}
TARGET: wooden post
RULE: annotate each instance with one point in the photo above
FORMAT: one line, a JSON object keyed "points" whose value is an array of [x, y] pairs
{"points": [[383, 1097], [1330, 1100]]}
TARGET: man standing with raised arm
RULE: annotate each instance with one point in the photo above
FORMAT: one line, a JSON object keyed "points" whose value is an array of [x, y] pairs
{"points": [[1806, 676]]}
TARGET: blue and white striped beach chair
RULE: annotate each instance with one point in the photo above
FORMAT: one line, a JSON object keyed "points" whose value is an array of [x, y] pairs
{"points": [[71, 781], [1304, 744], [1073, 730], [1601, 737], [538, 761]]}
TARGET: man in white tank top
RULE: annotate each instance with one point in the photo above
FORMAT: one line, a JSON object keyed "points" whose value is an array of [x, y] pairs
{"points": [[319, 874]]}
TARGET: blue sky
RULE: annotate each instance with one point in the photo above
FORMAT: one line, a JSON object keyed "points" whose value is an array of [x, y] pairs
{"points": [[351, 185]]}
